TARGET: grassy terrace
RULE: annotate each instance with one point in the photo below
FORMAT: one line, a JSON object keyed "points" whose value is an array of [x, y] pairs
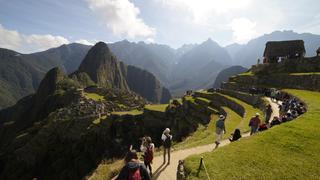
{"points": [[304, 74], [156, 107], [250, 112], [132, 112], [94, 96], [249, 73], [288, 151], [206, 135]]}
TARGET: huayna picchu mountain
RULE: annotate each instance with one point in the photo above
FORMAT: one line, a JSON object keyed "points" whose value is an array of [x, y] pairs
{"points": [[42, 134], [103, 68]]}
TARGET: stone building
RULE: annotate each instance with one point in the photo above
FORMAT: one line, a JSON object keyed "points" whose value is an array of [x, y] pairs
{"points": [[280, 50]]}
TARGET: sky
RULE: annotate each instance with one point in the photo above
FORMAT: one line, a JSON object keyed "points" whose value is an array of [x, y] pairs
{"points": [[35, 25]]}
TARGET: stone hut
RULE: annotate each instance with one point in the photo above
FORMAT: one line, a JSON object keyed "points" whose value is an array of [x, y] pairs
{"points": [[279, 50]]}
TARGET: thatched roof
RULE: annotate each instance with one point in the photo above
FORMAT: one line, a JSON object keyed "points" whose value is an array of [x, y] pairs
{"points": [[283, 48]]}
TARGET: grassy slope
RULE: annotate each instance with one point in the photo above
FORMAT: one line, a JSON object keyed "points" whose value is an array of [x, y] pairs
{"points": [[288, 151], [206, 135], [94, 96], [157, 107]]}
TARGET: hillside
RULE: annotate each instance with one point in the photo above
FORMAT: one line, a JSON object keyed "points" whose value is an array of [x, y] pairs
{"points": [[225, 74], [291, 144], [20, 74]]}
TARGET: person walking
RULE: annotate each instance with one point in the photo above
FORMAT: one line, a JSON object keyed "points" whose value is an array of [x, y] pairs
{"points": [[254, 123], [220, 129], [268, 113], [166, 139], [147, 147], [133, 169]]}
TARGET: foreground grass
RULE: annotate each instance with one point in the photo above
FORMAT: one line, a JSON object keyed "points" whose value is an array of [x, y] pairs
{"points": [[107, 170], [288, 151]]}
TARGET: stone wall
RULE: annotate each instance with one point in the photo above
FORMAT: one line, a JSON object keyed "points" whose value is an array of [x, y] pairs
{"points": [[218, 100]]}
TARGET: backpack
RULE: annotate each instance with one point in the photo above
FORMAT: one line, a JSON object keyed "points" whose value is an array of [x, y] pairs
{"points": [[148, 155], [167, 142], [135, 175]]}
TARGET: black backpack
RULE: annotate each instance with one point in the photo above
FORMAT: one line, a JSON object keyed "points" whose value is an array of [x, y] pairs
{"points": [[167, 142]]}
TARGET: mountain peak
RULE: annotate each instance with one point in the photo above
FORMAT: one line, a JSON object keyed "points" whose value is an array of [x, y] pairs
{"points": [[103, 67]]}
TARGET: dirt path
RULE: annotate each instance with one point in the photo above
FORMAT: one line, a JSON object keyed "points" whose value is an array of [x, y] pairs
{"points": [[168, 172]]}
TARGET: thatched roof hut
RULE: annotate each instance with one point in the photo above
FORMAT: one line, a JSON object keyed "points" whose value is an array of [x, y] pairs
{"points": [[284, 49]]}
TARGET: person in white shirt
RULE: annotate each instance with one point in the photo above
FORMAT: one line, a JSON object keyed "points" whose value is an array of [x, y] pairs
{"points": [[148, 148], [166, 139]]}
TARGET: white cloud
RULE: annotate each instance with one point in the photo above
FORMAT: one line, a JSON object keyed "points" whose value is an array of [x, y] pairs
{"points": [[28, 43], [121, 16], [201, 10], [243, 30], [150, 40], [85, 42]]}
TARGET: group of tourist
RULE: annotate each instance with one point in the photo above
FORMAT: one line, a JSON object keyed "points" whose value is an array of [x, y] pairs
{"points": [[289, 109], [133, 169]]}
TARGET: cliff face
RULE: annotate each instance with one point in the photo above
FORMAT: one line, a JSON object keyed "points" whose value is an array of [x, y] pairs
{"points": [[103, 67], [146, 84]]}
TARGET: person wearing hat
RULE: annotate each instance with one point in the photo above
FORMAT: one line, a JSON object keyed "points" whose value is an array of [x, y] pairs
{"points": [[166, 138], [220, 129], [255, 123]]}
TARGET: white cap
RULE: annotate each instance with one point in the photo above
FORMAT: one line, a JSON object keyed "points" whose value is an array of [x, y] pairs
{"points": [[221, 116], [257, 114]]}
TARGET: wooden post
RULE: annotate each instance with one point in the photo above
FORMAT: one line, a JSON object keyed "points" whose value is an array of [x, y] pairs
{"points": [[199, 166]]}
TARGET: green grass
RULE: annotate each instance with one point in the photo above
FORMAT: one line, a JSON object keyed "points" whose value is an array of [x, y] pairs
{"points": [[288, 151], [132, 112], [156, 107], [250, 112], [206, 135], [302, 74], [98, 120], [107, 170], [94, 96], [249, 73]]}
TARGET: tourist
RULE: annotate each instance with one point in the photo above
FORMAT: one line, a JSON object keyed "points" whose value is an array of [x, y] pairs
{"points": [[273, 94], [235, 136], [181, 171], [148, 148], [166, 139], [220, 129], [133, 168], [268, 113], [263, 127], [254, 123]]}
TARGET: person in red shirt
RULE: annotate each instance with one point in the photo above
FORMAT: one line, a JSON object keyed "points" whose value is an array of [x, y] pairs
{"points": [[254, 124]]}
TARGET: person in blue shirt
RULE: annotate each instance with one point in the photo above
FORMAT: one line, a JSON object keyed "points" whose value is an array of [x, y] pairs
{"points": [[220, 129]]}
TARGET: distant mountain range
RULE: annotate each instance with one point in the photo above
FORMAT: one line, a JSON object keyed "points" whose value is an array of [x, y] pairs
{"points": [[248, 54], [193, 66]]}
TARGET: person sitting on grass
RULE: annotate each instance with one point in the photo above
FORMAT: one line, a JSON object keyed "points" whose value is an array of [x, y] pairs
{"points": [[235, 136], [275, 121], [133, 168]]}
